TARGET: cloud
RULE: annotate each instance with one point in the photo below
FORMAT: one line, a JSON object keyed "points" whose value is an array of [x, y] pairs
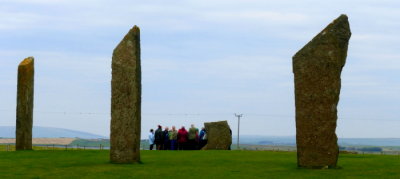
{"points": [[258, 16], [36, 1], [197, 56], [374, 37], [229, 68], [17, 20]]}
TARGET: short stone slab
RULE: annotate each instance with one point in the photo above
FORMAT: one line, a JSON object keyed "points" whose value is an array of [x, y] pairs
{"points": [[219, 136]]}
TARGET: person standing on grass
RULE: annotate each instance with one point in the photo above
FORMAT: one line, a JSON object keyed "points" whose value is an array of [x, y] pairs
{"points": [[202, 138], [173, 136], [158, 138], [193, 137], [166, 139], [151, 139], [230, 131], [182, 138]]}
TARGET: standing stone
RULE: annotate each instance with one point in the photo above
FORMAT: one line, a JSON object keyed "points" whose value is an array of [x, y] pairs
{"points": [[24, 124], [126, 90], [219, 136], [317, 68]]}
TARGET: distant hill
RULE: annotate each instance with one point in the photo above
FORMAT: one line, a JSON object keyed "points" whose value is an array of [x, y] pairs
{"points": [[291, 141], [49, 132]]}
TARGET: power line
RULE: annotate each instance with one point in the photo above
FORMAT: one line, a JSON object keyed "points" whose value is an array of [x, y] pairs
{"points": [[209, 114]]}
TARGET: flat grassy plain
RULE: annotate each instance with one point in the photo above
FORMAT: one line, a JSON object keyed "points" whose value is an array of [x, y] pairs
{"points": [[184, 164]]}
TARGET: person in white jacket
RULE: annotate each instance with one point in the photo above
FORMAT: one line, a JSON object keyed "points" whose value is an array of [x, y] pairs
{"points": [[151, 139]]}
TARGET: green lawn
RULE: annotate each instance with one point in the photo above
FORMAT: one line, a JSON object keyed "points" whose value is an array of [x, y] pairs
{"points": [[183, 164]]}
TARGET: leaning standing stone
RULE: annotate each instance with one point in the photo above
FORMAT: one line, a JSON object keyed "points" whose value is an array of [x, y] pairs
{"points": [[317, 68], [24, 124], [126, 99]]}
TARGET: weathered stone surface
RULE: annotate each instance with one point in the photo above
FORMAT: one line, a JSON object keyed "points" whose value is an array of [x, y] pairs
{"points": [[219, 136], [25, 87], [126, 93], [317, 68]]}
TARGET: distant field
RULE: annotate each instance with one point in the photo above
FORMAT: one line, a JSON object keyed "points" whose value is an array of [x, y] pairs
{"points": [[186, 164], [9, 148], [77, 143], [60, 141]]}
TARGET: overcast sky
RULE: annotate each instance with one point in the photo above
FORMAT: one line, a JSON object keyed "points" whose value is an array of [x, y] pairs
{"points": [[201, 61]]}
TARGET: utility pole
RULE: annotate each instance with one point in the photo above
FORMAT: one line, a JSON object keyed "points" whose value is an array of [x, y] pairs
{"points": [[238, 116]]}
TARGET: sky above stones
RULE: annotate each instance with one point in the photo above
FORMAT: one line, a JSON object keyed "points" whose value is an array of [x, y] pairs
{"points": [[201, 61]]}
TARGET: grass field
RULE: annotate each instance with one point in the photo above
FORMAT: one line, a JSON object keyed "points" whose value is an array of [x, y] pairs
{"points": [[183, 164]]}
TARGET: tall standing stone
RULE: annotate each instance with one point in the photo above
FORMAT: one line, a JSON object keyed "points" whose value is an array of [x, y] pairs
{"points": [[317, 68], [219, 135], [126, 90], [24, 121]]}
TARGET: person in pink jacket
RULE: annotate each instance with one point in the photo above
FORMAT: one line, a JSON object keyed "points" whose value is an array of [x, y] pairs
{"points": [[182, 138]]}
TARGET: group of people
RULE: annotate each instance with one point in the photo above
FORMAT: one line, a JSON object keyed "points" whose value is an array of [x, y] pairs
{"points": [[181, 139]]}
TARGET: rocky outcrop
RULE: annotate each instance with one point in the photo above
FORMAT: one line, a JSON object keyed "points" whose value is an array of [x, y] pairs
{"points": [[126, 93], [219, 136], [317, 68], [24, 121]]}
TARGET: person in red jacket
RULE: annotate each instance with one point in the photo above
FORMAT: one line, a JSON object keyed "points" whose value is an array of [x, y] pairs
{"points": [[182, 138]]}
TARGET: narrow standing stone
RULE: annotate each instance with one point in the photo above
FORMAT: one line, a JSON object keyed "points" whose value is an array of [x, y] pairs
{"points": [[24, 124], [126, 93], [317, 68]]}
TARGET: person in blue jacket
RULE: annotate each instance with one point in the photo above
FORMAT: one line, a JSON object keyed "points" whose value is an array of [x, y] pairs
{"points": [[202, 138], [151, 139]]}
